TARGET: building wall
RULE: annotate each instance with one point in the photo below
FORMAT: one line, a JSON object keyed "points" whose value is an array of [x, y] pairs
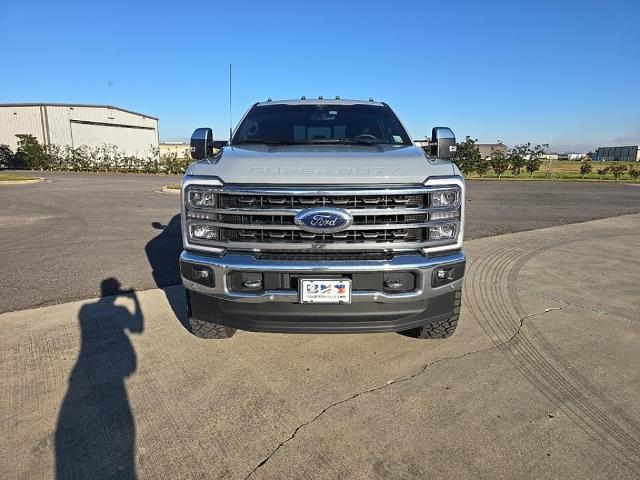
{"points": [[182, 150], [486, 148], [625, 154], [26, 120], [76, 125]]}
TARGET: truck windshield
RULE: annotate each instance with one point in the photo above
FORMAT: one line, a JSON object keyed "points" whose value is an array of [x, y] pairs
{"points": [[281, 124]]}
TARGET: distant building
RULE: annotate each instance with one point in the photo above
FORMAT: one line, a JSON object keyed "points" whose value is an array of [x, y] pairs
{"points": [[622, 154], [62, 124], [575, 156], [486, 148], [181, 149]]}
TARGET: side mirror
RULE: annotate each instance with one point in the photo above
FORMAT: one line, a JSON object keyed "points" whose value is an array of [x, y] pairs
{"points": [[443, 143], [201, 143]]}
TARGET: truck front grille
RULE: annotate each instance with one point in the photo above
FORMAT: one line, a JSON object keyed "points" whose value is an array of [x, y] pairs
{"points": [[263, 219], [308, 201], [396, 235]]}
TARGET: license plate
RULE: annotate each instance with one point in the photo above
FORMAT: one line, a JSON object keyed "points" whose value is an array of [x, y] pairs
{"points": [[325, 291]]}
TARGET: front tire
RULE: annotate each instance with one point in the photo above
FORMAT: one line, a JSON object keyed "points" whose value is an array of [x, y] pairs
{"points": [[204, 329], [439, 329]]}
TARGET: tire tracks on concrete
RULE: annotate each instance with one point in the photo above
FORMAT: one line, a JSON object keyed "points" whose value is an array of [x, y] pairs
{"points": [[494, 277]]}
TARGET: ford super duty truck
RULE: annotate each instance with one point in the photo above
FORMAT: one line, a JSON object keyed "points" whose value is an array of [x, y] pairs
{"points": [[322, 216]]}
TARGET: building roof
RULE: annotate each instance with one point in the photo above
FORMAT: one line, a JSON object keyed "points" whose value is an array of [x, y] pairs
{"points": [[75, 105], [320, 101]]}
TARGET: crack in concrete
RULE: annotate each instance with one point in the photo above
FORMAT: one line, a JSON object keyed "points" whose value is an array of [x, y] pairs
{"points": [[521, 322]]}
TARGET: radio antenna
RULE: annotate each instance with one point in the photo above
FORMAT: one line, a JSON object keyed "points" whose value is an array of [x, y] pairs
{"points": [[230, 120]]}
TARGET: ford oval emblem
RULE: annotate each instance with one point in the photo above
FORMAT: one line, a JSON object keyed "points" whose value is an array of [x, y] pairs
{"points": [[323, 220]]}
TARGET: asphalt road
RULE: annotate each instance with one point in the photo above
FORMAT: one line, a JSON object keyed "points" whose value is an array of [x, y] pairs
{"points": [[540, 381], [60, 239]]}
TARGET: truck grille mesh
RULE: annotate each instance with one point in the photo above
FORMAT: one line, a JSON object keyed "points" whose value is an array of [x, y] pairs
{"points": [[300, 236], [338, 201], [258, 218]]}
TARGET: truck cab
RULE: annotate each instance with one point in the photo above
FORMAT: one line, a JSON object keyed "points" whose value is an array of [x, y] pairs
{"points": [[322, 216]]}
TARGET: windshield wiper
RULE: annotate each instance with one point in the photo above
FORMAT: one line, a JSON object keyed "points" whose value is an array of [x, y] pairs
{"points": [[348, 141], [268, 141]]}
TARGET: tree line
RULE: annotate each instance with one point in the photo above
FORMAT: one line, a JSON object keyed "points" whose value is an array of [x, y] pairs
{"points": [[525, 157], [32, 155], [502, 159]]}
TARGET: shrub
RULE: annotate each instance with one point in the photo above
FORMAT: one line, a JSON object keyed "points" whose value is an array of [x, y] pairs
{"points": [[617, 169], [634, 172], [585, 168], [517, 156], [467, 156], [6, 156], [534, 158], [602, 172], [499, 162], [482, 166], [30, 153]]}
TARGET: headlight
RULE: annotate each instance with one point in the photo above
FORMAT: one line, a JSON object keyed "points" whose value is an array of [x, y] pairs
{"points": [[445, 225], [201, 197], [444, 199], [442, 232], [203, 231]]}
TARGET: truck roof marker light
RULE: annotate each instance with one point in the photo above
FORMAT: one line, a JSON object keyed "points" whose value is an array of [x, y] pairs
{"points": [[337, 97], [303, 97], [269, 99], [320, 97], [371, 99]]}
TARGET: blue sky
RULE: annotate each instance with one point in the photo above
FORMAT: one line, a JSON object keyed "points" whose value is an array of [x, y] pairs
{"points": [[560, 72]]}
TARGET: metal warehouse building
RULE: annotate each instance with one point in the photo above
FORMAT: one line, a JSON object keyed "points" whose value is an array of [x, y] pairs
{"points": [[76, 125], [623, 154]]}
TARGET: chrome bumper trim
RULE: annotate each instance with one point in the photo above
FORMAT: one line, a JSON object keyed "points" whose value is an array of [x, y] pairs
{"points": [[239, 262]]}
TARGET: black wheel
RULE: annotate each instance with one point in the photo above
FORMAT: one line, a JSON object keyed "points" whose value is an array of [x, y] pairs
{"points": [[441, 328], [203, 329]]}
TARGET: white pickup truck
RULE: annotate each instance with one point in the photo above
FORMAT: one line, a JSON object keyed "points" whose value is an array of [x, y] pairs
{"points": [[322, 216]]}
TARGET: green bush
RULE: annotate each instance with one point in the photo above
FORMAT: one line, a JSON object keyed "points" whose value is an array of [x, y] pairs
{"points": [[30, 153], [585, 168], [6, 156], [104, 158]]}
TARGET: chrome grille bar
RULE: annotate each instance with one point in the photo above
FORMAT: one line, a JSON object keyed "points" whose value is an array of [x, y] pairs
{"points": [[257, 218]]}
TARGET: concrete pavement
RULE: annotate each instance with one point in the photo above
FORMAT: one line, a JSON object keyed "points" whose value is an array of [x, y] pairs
{"points": [[542, 380]]}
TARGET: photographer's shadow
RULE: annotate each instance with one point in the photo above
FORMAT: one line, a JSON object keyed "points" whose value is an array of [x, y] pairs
{"points": [[95, 434], [163, 254]]}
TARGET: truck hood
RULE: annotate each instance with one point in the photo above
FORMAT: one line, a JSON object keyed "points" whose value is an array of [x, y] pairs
{"points": [[322, 164]]}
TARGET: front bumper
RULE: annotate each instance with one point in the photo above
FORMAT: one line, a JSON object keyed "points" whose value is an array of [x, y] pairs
{"points": [[280, 310]]}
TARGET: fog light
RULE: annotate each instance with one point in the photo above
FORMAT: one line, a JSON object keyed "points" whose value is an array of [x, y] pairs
{"points": [[442, 232], [198, 274], [203, 231], [447, 274], [441, 274]]}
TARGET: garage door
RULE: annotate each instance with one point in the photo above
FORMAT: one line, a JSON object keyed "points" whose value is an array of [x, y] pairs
{"points": [[131, 140]]}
